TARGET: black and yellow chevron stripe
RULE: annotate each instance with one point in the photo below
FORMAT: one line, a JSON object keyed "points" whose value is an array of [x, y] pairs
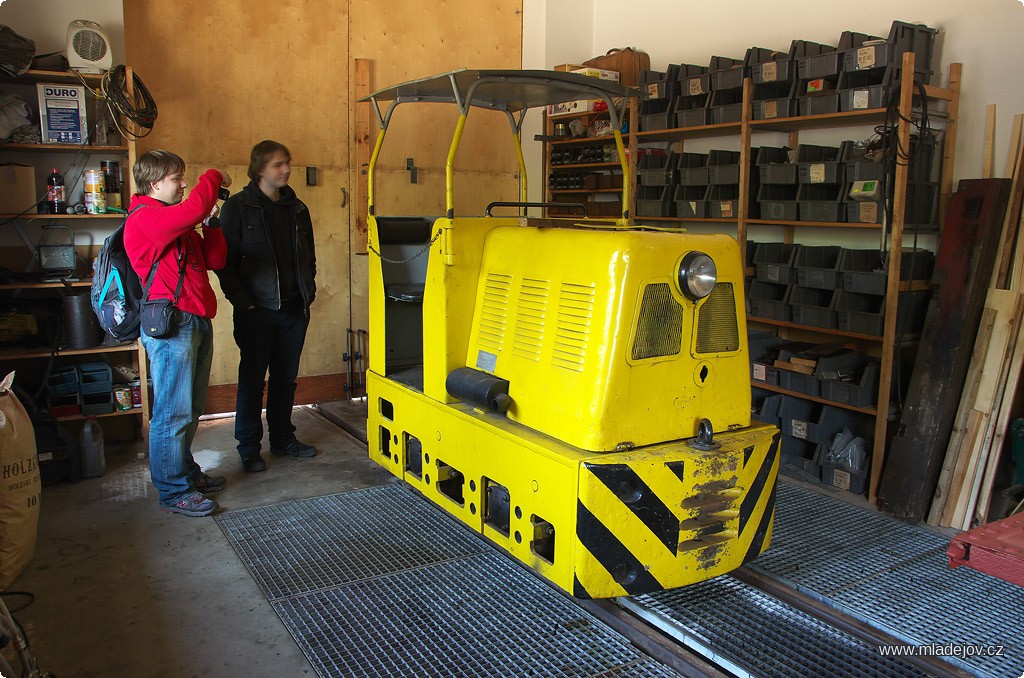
{"points": [[653, 524]]}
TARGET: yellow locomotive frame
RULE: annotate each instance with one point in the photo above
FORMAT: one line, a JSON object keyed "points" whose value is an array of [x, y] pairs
{"points": [[557, 384]]}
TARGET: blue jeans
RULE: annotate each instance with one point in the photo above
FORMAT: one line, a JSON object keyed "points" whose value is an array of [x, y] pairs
{"points": [[180, 367], [267, 341]]}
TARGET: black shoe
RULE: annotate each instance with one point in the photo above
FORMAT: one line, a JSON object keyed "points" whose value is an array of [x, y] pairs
{"points": [[206, 484], [294, 449], [254, 464]]}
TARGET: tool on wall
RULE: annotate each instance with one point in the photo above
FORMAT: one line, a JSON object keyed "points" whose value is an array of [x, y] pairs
{"points": [[362, 340], [347, 358]]}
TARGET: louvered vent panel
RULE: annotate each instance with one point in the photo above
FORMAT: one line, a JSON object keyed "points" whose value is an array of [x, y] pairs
{"points": [[572, 329], [494, 312], [531, 311], [659, 329], [717, 330]]}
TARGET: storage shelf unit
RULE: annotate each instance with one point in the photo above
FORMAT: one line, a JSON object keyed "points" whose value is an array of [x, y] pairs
{"points": [[132, 351], [890, 340]]}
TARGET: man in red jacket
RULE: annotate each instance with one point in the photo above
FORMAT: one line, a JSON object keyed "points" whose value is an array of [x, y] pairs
{"points": [[161, 231]]}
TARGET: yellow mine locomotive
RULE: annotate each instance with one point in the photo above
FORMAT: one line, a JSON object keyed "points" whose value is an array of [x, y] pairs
{"points": [[576, 390]]}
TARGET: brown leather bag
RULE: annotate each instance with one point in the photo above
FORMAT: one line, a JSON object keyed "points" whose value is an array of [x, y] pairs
{"points": [[627, 62]]}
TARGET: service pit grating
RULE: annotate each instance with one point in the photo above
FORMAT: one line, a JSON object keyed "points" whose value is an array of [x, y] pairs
{"points": [[379, 582], [751, 633], [894, 577]]}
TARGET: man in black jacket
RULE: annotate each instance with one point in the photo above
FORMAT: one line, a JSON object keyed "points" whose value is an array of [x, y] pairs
{"points": [[269, 280]]}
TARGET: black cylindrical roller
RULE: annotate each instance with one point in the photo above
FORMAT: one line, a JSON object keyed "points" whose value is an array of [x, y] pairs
{"points": [[479, 388]]}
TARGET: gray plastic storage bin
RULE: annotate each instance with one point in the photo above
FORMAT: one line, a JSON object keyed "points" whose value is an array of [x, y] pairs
{"points": [[818, 267], [723, 201], [770, 300], [813, 307], [903, 37], [799, 383], [97, 403], [726, 73], [764, 406], [857, 483], [94, 377], [655, 201], [812, 422], [865, 313], [692, 169], [723, 167], [773, 262], [693, 117], [823, 103], [830, 63], [690, 202], [777, 202], [779, 107], [820, 202], [860, 391], [63, 381], [864, 272]]}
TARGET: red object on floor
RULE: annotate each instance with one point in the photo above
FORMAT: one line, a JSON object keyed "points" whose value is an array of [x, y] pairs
{"points": [[996, 549]]}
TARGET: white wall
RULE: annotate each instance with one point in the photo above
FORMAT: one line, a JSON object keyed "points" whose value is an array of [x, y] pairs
{"points": [[986, 36]]}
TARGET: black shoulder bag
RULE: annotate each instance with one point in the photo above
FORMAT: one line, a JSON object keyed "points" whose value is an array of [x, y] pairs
{"points": [[156, 316]]}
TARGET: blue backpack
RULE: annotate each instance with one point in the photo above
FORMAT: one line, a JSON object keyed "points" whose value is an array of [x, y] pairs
{"points": [[117, 292]]}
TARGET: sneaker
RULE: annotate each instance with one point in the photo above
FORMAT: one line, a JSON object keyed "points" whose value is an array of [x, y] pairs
{"points": [[294, 449], [192, 504], [254, 464], [206, 484]]}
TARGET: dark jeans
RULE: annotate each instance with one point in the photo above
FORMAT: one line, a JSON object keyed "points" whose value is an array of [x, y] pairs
{"points": [[267, 340]]}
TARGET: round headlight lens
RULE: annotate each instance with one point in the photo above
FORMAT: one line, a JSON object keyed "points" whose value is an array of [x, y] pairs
{"points": [[697, 275]]}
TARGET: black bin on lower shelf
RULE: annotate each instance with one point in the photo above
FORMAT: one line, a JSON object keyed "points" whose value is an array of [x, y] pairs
{"points": [[865, 313], [861, 391], [813, 307]]}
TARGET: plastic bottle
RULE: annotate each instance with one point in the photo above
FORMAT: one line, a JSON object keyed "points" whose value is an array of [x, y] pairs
{"points": [[90, 442], [55, 200]]}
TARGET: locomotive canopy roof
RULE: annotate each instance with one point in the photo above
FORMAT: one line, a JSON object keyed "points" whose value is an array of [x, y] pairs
{"points": [[502, 90]]}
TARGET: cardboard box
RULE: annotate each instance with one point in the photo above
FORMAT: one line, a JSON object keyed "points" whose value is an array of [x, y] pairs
{"points": [[17, 189], [568, 68], [582, 105], [62, 113]]}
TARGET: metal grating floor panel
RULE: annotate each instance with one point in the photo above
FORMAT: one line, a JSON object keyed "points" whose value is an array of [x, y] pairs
{"points": [[312, 544], [893, 576], [751, 633], [480, 616], [379, 582]]}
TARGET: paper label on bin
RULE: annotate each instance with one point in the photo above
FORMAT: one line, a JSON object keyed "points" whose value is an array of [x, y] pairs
{"points": [[860, 99], [841, 479], [799, 429], [696, 87], [769, 71], [693, 206], [772, 272], [726, 208], [865, 57], [759, 372], [652, 90], [486, 361], [770, 109], [868, 212], [817, 171]]}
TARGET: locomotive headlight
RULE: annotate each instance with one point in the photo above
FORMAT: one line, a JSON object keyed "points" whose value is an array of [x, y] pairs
{"points": [[697, 275]]}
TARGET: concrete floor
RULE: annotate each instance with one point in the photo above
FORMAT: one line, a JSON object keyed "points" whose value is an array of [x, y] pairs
{"points": [[124, 589]]}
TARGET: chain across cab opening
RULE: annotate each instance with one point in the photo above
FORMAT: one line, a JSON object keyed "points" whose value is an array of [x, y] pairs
{"points": [[405, 261]]}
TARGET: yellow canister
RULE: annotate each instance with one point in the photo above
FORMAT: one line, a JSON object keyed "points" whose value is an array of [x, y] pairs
{"points": [[94, 181], [114, 200]]}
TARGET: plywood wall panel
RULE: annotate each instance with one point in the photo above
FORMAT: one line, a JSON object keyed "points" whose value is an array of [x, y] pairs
{"points": [[225, 75]]}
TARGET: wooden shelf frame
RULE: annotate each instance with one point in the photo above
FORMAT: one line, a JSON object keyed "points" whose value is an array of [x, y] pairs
{"points": [[127, 153], [890, 341]]}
